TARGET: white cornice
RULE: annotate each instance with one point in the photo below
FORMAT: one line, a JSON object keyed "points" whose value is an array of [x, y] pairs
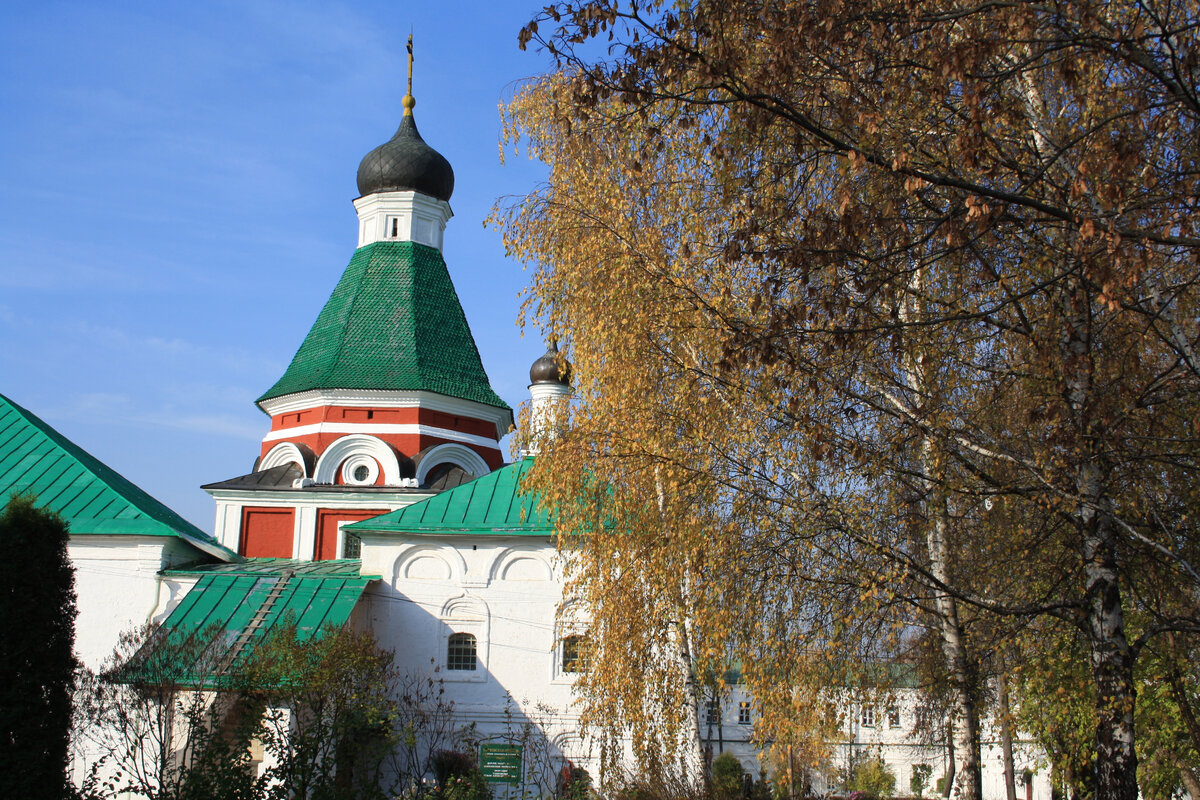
{"points": [[316, 498], [377, 398], [381, 429]]}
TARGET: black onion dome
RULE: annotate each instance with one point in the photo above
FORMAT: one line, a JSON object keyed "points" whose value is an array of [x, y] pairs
{"points": [[406, 163], [551, 368]]}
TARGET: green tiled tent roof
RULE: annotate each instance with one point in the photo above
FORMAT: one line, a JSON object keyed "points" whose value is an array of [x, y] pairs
{"points": [[89, 495], [492, 504], [393, 322]]}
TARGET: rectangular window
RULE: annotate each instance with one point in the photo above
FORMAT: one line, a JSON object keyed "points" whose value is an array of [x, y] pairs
{"points": [[868, 717], [713, 715], [460, 652], [351, 545], [744, 713], [893, 717], [575, 654]]}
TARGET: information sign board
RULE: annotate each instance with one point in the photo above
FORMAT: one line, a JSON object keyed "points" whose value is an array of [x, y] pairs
{"points": [[500, 763]]}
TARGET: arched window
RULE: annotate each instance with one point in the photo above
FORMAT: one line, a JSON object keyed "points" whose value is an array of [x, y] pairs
{"points": [[576, 655], [460, 652]]}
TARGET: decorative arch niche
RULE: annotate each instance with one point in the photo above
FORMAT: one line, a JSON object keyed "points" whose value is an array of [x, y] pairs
{"points": [[451, 453], [286, 453], [359, 449]]}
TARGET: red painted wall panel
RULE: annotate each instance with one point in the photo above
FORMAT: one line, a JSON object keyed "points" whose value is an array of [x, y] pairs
{"points": [[267, 532]]}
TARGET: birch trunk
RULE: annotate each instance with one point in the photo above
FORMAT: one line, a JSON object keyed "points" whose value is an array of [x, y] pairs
{"points": [[965, 722], [964, 725], [1104, 617], [693, 761], [693, 755], [948, 778], [1006, 733]]}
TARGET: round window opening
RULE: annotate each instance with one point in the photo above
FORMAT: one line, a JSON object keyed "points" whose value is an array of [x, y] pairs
{"points": [[361, 473]]}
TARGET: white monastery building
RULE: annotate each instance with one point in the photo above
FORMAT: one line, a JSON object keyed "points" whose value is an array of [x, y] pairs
{"points": [[379, 498]]}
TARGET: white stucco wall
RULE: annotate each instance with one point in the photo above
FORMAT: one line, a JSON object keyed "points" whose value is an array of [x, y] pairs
{"points": [[900, 746], [117, 586], [507, 591]]}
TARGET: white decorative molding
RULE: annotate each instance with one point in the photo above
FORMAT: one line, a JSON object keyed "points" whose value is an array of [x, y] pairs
{"points": [[378, 398], [470, 461], [358, 444], [402, 217], [283, 453], [360, 470], [448, 555], [368, 428], [508, 560]]}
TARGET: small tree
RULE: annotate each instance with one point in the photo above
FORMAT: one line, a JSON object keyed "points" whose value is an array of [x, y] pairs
{"points": [[37, 667], [330, 718], [153, 728], [728, 777], [872, 778]]}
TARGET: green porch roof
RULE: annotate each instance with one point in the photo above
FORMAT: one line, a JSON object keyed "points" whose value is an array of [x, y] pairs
{"points": [[89, 495], [394, 322], [233, 607], [492, 504]]}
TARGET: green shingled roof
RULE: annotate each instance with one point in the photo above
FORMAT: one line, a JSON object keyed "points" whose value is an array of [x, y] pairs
{"points": [[89, 495], [393, 322], [492, 504]]}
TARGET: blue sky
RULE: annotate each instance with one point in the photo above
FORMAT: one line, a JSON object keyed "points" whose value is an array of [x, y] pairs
{"points": [[175, 206]]}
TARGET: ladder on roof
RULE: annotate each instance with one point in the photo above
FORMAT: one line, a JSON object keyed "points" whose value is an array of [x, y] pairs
{"points": [[256, 622]]}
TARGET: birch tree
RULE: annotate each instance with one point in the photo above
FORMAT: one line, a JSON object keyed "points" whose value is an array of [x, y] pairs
{"points": [[861, 283]]}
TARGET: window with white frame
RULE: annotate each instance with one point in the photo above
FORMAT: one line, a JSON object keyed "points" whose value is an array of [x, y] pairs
{"points": [[461, 653], [572, 647], [713, 712], [465, 645], [868, 717], [893, 716], [744, 712], [576, 654]]}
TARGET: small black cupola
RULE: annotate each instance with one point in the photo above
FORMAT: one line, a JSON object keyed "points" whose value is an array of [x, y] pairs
{"points": [[405, 162], [551, 367]]}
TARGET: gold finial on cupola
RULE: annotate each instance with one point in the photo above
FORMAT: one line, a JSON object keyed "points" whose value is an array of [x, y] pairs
{"points": [[409, 101]]}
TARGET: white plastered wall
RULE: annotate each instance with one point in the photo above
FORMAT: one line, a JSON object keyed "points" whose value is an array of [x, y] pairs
{"points": [[507, 591]]}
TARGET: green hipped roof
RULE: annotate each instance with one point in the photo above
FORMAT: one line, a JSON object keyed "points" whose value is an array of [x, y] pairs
{"points": [[89, 495], [393, 322], [492, 504]]}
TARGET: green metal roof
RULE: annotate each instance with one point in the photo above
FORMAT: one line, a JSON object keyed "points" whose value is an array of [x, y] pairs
{"points": [[394, 322], [492, 504], [230, 611], [232, 602], [89, 495]]}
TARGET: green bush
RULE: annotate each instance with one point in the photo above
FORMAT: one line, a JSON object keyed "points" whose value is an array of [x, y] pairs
{"points": [[728, 777], [872, 778], [459, 777], [920, 779]]}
